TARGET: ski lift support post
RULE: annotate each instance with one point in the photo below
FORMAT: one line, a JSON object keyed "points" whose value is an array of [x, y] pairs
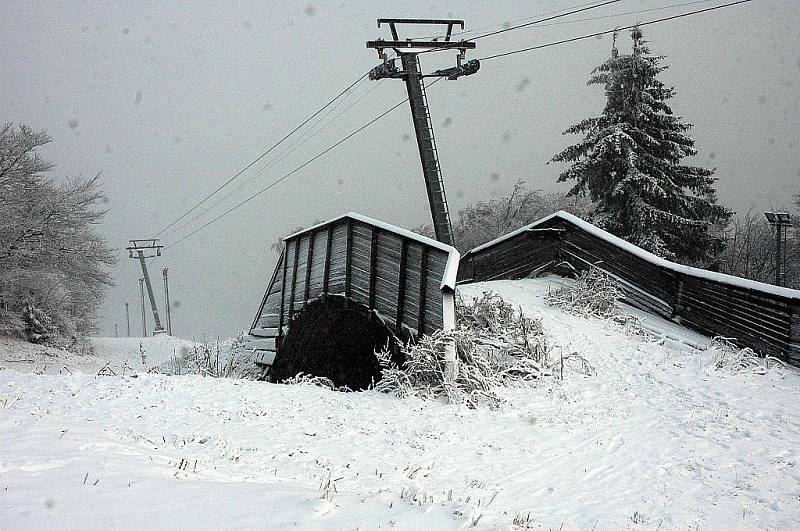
{"points": [[144, 249], [408, 50]]}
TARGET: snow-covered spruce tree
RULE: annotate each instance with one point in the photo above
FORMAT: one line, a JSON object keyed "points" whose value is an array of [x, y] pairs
{"points": [[629, 162], [53, 265]]}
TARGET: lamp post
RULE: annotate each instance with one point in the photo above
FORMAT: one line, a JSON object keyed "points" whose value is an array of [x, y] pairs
{"points": [[781, 221]]}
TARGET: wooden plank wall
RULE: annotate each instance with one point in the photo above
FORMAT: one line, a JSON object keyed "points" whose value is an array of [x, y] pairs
{"points": [[759, 320], [514, 258], [397, 276], [267, 317], [766, 322], [794, 331], [645, 285]]}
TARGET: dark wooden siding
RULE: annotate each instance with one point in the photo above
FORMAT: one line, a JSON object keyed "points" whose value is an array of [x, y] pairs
{"points": [[269, 312], [412, 287], [757, 318], [645, 286], [516, 257], [317, 271], [387, 272], [336, 283], [398, 276]]}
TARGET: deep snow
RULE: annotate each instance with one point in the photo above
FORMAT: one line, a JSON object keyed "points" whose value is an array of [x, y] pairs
{"points": [[656, 439]]}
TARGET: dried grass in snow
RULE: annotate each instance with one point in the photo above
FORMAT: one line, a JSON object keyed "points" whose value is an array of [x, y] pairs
{"points": [[496, 346], [318, 381], [592, 294], [728, 358], [228, 359], [595, 294]]}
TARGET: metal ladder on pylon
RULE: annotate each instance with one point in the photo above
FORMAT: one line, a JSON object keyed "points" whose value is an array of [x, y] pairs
{"points": [[408, 50], [429, 156], [436, 180]]}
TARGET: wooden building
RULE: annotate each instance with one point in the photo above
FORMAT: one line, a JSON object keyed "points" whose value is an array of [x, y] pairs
{"points": [[346, 287], [762, 316]]}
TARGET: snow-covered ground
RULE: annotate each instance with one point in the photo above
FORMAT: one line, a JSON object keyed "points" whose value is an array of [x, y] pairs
{"points": [[656, 439], [111, 355]]}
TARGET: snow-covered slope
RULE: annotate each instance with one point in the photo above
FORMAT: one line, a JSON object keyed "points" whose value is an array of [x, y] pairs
{"points": [[158, 350], [117, 354], [656, 439]]}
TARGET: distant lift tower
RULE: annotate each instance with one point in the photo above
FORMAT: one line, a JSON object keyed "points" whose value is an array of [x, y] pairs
{"points": [[144, 249], [408, 50]]}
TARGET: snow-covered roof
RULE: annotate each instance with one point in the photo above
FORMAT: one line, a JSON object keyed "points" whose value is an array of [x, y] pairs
{"points": [[453, 256], [649, 257]]}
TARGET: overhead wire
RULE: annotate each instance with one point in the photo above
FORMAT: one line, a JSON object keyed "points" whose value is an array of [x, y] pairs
{"points": [[490, 57], [296, 144], [264, 154], [546, 19], [450, 45], [579, 9], [298, 168], [624, 13], [304, 137], [338, 98], [555, 15], [607, 32], [505, 24]]}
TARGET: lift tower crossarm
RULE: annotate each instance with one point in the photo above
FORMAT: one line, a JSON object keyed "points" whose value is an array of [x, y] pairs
{"points": [[397, 45], [427, 21], [418, 101]]}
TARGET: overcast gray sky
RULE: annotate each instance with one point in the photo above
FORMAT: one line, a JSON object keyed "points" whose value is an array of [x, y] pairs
{"points": [[169, 99]]}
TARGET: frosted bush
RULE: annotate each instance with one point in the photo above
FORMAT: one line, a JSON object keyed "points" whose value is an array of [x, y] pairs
{"points": [[728, 358], [228, 359], [593, 293], [496, 346]]}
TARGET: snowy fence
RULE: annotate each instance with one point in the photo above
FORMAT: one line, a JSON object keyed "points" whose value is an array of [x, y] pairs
{"points": [[758, 315]]}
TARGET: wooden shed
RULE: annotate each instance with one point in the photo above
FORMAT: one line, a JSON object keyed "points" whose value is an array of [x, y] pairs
{"points": [[346, 287], [762, 316]]}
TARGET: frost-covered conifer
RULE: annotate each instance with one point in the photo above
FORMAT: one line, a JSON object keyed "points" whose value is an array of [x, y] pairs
{"points": [[630, 163]]}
